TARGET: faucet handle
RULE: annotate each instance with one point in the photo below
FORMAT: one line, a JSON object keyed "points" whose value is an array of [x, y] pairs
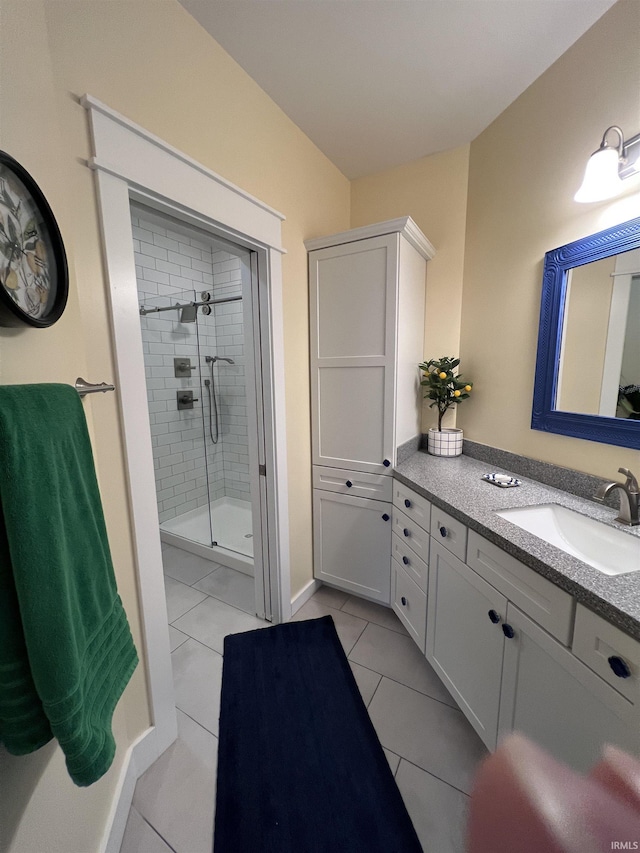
{"points": [[632, 483]]}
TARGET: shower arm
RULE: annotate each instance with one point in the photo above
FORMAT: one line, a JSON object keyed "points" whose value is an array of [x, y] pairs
{"points": [[179, 305]]}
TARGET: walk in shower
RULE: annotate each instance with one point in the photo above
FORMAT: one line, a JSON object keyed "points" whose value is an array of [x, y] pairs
{"points": [[191, 316]]}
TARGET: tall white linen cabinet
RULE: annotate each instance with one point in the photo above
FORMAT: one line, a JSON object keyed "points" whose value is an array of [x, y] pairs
{"points": [[366, 305]]}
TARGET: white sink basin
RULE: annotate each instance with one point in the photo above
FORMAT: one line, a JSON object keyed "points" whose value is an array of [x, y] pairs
{"points": [[607, 549]]}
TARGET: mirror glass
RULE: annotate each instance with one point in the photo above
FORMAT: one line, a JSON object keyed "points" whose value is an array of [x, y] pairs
{"points": [[599, 363], [587, 381]]}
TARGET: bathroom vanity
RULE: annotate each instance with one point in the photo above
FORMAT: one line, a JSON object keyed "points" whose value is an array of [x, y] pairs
{"points": [[523, 635]]}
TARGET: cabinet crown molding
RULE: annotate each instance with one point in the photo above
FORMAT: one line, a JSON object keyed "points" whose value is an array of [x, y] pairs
{"points": [[403, 225]]}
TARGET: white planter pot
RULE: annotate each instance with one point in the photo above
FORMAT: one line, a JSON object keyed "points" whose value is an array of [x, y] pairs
{"points": [[445, 442]]}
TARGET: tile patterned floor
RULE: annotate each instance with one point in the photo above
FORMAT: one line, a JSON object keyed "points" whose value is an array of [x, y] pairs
{"points": [[432, 750]]}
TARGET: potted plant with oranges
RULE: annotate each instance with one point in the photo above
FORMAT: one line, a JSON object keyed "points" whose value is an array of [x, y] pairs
{"points": [[446, 388]]}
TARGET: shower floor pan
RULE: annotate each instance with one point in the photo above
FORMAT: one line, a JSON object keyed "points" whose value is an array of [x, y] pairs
{"points": [[232, 531]]}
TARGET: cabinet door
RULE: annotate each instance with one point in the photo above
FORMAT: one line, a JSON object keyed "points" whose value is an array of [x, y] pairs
{"points": [[554, 699], [463, 645], [352, 303], [409, 603], [352, 544]]}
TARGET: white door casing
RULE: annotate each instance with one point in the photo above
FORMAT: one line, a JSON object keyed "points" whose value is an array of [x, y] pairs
{"points": [[132, 164]]}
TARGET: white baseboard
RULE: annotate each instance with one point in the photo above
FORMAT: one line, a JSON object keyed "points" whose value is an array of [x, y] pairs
{"points": [[140, 756], [304, 595]]}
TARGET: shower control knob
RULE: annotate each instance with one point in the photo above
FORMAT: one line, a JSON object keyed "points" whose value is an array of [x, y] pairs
{"points": [[185, 399]]}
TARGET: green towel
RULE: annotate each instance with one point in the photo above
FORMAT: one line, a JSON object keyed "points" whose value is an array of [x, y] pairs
{"points": [[66, 652]]}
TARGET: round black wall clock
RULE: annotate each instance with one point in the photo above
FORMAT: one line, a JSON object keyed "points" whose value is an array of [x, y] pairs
{"points": [[34, 280]]}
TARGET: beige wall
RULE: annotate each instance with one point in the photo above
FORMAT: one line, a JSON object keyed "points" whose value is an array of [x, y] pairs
{"points": [[433, 191], [151, 61], [524, 171]]}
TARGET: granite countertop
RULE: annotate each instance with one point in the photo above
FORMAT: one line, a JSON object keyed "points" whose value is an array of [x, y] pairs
{"points": [[455, 485]]}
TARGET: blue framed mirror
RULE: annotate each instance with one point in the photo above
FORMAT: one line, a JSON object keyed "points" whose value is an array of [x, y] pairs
{"points": [[587, 381]]}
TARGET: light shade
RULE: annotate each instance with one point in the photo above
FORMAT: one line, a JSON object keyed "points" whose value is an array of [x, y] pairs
{"points": [[601, 178]]}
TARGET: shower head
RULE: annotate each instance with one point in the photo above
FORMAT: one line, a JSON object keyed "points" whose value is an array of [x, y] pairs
{"points": [[188, 313]]}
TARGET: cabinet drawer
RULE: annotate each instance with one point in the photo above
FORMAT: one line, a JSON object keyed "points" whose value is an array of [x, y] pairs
{"points": [[410, 603], [356, 483], [449, 532], [412, 504], [595, 641], [414, 566], [547, 604], [410, 532]]}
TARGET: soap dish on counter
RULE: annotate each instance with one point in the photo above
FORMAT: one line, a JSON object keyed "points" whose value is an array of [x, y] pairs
{"points": [[504, 481]]}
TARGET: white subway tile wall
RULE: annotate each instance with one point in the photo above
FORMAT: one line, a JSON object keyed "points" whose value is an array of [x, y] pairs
{"points": [[175, 263]]}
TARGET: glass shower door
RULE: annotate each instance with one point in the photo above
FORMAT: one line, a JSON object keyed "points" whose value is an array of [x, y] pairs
{"points": [[171, 347]]}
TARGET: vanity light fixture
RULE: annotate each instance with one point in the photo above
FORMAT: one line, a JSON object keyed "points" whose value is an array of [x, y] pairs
{"points": [[609, 166]]}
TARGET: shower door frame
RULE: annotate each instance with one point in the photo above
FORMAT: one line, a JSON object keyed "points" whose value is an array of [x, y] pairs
{"points": [[132, 164]]}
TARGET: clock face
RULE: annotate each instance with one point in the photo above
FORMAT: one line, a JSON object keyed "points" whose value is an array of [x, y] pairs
{"points": [[33, 267]]}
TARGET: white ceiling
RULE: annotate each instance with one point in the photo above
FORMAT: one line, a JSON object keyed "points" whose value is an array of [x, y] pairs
{"points": [[377, 83]]}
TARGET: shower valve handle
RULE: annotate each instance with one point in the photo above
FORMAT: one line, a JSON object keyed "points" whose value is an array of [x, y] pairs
{"points": [[187, 398]]}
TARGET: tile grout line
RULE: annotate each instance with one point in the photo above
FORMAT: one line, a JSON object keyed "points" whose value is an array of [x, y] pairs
{"points": [[206, 595], [375, 604], [204, 645], [373, 694], [402, 684], [228, 603], [159, 834], [185, 613], [215, 597], [429, 773], [193, 719]]}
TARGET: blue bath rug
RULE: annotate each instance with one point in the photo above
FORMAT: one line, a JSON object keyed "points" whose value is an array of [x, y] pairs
{"points": [[300, 768]]}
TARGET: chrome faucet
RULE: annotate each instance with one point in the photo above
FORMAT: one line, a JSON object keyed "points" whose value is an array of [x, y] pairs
{"points": [[629, 497]]}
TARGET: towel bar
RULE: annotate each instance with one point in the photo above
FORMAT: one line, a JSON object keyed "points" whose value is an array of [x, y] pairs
{"points": [[83, 387]]}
